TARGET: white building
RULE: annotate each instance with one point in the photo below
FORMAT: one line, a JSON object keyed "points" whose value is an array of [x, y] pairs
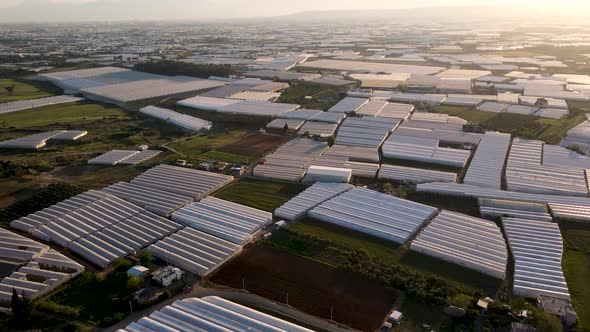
{"points": [[166, 276]]}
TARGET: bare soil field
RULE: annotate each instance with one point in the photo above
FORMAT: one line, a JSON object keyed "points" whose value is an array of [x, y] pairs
{"points": [[256, 145], [310, 286]]}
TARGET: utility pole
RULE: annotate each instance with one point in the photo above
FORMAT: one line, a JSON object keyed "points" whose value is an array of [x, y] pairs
{"points": [[131, 306], [243, 283], [331, 312], [287, 298]]}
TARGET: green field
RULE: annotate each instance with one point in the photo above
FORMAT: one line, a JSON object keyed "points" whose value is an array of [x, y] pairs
{"points": [[25, 90], [551, 131], [312, 96], [341, 241], [202, 147], [259, 194], [108, 128], [576, 267]]}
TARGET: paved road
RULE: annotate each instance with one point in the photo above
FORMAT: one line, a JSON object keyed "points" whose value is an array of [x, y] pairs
{"points": [[244, 298]]}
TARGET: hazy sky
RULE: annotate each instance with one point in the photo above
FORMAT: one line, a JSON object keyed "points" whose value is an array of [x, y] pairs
{"points": [[34, 10]]}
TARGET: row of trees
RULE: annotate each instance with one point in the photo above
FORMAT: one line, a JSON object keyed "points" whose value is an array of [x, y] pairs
{"points": [[176, 68], [426, 288]]}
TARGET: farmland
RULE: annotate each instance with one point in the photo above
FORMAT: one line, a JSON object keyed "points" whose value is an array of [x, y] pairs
{"points": [[108, 128], [322, 97], [260, 194], [548, 130], [576, 267], [310, 286], [22, 90], [332, 244]]}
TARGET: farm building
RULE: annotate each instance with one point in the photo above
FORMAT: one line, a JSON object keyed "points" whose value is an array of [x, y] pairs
{"points": [[359, 169], [525, 172], [368, 132], [290, 161], [374, 213], [235, 106], [496, 208], [229, 221], [158, 201], [414, 175], [348, 105], [487, 165], [182, 181], [474, 243], [178, 119], [370, 67], [124, 157], [38, 141], [194, 251], [318, 193], [20, 105], [317, 173], [537, 247], [42, 269], [210, 313], [424, 150]]}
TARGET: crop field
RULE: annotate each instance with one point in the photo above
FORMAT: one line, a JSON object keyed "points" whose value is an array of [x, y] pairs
{"points": [[108, 128], [203, 147], [22, 90], [309, 286], [551, 131], [322, 97], [331, 245], [255, 146], [576, 267], [260, 194]]}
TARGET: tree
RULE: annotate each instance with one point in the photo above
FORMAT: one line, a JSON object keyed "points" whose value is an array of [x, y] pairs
{"points": [[331, 140], [145, 258], [133, 283], [9, 89], [541, 102], [286, 127], [546, 322], [576, 148], [21, 308], [387, 187], [403, 88]]}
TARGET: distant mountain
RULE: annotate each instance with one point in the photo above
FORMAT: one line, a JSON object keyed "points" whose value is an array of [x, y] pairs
{"points": [[421, 14]]}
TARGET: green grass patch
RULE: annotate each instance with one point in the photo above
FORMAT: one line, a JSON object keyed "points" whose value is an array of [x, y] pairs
{"points": [[98, 299], [576, 267], [313, 96], [226, 157], [340, 241], [551, 131], [195, 147], [23, 90], [260, 194]]}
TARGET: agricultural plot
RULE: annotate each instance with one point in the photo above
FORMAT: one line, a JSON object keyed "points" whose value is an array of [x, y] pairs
{"points": [[23, 90], [260, 194], [312, 287]]}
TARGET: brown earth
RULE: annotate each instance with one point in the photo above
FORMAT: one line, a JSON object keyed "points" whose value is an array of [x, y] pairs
{"points": [[310, 286], [256, 145]]}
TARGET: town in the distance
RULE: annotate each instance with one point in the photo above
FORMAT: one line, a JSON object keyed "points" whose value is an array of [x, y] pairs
{"points": [[317, 171]]}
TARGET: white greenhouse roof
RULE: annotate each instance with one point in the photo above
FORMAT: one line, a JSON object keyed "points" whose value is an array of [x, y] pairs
{"points": [[537, 247], [414, 175], [423, 150], [229, 221], [34, 103], [348, 105], [375, 213], [177, 119], [369, 132], [37, 141], [194, 251], [210, 313], [182, 181], [487, 165], [313, 196], [474, 243]]}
